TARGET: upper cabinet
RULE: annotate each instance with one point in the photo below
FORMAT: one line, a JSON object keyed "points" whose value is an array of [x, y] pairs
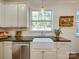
{"points": [[1, 13], [22, 15], [13, 14], [11, 19]]}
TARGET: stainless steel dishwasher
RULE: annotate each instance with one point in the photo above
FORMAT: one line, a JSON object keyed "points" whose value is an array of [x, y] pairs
{"points": [[21, 50]]}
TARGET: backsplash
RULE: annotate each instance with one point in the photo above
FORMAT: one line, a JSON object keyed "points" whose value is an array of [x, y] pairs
{"points": [[28, 33]]}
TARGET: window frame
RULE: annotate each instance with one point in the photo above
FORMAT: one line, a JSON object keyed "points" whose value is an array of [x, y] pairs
{"points": [[77, 34], [30, 17]]}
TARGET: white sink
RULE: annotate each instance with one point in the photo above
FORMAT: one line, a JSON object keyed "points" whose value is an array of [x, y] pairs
{"points": [[42, 40], [42, 43]]}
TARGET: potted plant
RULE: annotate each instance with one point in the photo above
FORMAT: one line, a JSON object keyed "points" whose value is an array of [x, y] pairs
{"points": [[57, 33]]}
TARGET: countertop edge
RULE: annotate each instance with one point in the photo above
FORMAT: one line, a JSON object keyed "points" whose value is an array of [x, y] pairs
{"points": [[30, 38]]}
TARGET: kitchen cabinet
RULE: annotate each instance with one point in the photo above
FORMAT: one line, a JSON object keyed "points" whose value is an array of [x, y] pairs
{"points": [[60, 51], [14, 15], [42, 53], [22, 15], [1, 50], [36, 55], [2, 13], [7, 46], [11, 15], [50, 55], [63, 50]]}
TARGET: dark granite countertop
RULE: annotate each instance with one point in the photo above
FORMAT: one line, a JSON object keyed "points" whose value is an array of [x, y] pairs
{"points": [[30, 38]]}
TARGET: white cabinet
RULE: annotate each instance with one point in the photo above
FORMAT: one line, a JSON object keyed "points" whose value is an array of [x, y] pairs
{"points": [[63, 50], [15, 15], [42, 53], [22, 15], [1, 50], [50, 55], [7, 46], [10, 15], [60, 51], [0, 11], [36, 55], [1, 14]]}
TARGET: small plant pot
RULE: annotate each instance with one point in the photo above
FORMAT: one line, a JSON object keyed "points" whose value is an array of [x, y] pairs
{"points": [[57, 35], [18, 35]]}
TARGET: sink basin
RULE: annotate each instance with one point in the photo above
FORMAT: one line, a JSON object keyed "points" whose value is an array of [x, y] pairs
{"points": [[42, 43], [42, 40]]}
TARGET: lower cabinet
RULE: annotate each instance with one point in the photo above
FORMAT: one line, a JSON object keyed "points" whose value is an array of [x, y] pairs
{"points": [[42, 52], [6, 50], [61, 52], [50, 55], [1, 50], [36, 55], [43, 55], [7, 46]]}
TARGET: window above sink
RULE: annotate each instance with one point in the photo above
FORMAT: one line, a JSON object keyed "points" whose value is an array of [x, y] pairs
{"points": [[41, 21]]}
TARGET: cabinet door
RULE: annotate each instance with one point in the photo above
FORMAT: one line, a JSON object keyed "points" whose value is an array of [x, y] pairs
{"points": [[49, 55], [62, 53], [36, 55], [1, 50], [62, 57], [22, 15], [1, 14], [7, 50], [10, 14]]}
